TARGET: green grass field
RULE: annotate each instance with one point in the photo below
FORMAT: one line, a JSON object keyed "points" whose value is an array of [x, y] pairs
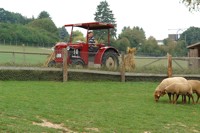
{"points": [[92, 107], [27, 49], [23, 59], [150, 62]]}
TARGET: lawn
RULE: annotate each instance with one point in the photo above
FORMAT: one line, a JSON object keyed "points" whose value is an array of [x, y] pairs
{"points": [[12, 48], [156, 62], [30, 106], [23, 59]]}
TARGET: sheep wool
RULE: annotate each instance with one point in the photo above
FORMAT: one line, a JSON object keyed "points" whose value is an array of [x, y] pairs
{"points": [[179, 89], [159, 91], [195, 87]]}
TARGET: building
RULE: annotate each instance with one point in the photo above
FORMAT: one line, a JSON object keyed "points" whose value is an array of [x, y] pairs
{"points": [[194, 52], [173, 37]]}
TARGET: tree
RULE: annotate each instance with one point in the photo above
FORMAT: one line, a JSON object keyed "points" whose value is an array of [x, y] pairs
{"points": [[43, 14], [181, 48], [78, 36], [18, 33], [14, 18], [19, 29], [135, 35], [150, 47], [63, 34], [191, 35], [104, 14], [191, 4], [175, 48], [122, 44], [45, 23]]}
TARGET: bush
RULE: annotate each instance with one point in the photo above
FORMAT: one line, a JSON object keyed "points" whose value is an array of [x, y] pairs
{"points": [[24, 75]]}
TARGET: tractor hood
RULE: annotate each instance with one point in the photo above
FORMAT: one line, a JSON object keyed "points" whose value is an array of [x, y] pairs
{"points": [[61, 45]]}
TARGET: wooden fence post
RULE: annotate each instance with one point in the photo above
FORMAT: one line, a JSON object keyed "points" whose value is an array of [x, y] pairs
{"points": [[123, 69], [169, 67], [65, 72], [24, 56], [13, 55]]}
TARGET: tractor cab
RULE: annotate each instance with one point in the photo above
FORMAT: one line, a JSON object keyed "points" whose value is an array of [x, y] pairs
{"points": [[82, 53]]}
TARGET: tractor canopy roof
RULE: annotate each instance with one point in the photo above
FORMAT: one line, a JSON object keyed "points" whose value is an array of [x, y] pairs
{"points": [[92, 25]]}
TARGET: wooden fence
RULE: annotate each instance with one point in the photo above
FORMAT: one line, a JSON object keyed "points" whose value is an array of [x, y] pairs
{"points": [[122, 73]]}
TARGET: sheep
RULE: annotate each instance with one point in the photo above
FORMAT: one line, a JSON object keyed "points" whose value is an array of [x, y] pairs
{"points": [[159, 91], [179, 88], [195, 87]]}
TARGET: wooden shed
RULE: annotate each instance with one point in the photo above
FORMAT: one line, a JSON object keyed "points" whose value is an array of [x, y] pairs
{"points": [[194, 53]]}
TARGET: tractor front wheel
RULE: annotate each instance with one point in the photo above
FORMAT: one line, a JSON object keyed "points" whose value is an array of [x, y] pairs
{"points": [[78, 63], [110, 60], [52, 63]]}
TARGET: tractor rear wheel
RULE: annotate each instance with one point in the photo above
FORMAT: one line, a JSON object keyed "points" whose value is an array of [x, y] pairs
{"points": [[110, 60], [78, 63]]}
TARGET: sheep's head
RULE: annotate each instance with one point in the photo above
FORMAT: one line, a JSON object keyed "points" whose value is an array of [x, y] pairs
{"points": [[157, 95], [159, 91]]}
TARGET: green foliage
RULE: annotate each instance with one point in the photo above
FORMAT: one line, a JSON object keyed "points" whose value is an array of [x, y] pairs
{"points": [[14, 18], [104, 14], [122, 44], [78, 36], [63, 34], [135, 35], [43, 15], [150, 47], [175, 48], [24, 75], [15, 27], [170, 46], [44, 23], [191, 35], [193, 5], [26, 34], [181, 49]]}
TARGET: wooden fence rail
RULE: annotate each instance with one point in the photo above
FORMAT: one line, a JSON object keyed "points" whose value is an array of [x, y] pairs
{"points": [[9, 52]]}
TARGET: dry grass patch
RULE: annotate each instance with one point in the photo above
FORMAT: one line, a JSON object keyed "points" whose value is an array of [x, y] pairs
{"points": [[46, 123]]}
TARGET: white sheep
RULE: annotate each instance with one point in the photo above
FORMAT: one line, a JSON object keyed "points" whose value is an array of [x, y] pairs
{"points": [[179, 89], [159, 91], [195, 87]]}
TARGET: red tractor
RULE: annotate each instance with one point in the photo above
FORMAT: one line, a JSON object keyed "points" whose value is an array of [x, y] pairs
{"points": [[82, 53]]}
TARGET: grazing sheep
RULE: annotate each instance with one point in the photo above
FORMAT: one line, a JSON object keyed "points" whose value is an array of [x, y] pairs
{"points": [[159, 91], [179, 89], [195, 87]]}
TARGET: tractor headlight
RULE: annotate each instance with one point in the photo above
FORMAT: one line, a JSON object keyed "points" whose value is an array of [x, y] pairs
{"points": [[58, 55], [68, 48]]}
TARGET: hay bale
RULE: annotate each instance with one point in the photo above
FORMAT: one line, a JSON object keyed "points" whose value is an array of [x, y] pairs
{"points": [[129, 60]]}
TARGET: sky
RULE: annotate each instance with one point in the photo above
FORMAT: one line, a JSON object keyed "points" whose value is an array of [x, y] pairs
{"points": [[158, 18]]}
